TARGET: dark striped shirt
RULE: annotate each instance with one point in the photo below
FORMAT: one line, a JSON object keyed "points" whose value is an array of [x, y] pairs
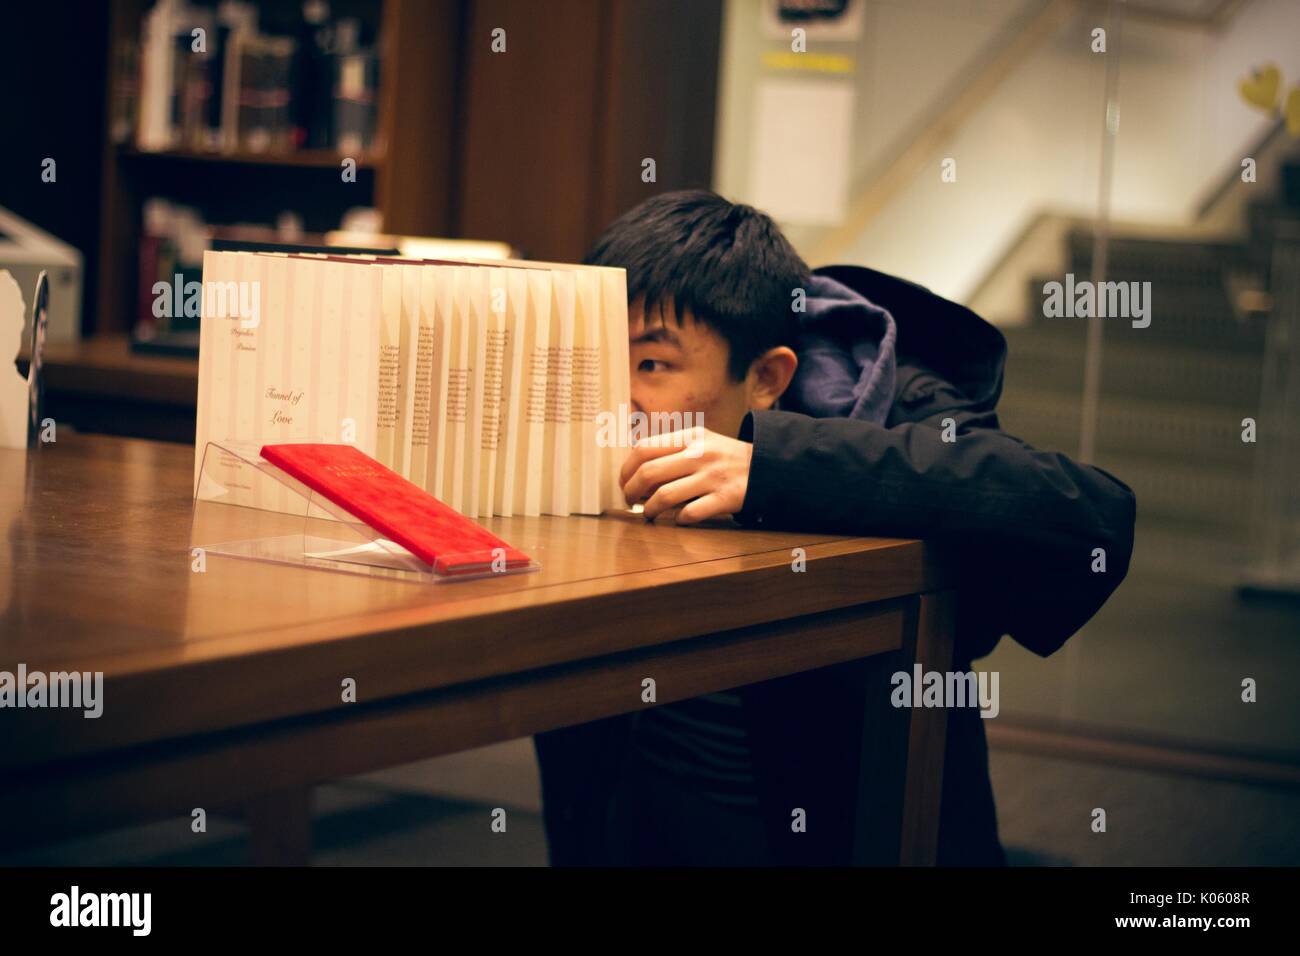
{"points": [[702, 744]]}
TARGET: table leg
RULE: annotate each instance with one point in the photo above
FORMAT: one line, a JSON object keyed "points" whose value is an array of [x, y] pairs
{"points": [[928, 737], [901, 771], [279, 827]]}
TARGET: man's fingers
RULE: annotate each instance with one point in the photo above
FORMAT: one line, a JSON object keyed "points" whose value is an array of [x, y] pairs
{"points": [[675, 493], [703, 508], [638, 456], [655, 472], [656, 446]]}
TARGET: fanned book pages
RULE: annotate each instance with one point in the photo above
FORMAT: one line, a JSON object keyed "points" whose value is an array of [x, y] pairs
{"points": [[499, 387]]}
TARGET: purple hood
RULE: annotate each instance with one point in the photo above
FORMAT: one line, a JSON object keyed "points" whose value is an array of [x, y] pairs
{"points": [[847, 356]]}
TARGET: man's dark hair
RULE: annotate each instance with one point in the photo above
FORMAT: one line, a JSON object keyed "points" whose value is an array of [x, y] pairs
{"points": [[727, 264]]}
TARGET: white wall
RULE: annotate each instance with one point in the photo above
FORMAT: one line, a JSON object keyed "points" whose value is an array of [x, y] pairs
{"points": [[1035, 144]]}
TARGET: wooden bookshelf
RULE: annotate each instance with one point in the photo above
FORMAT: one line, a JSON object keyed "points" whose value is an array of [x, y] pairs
{"points": [[408, 176], [539, 148]]}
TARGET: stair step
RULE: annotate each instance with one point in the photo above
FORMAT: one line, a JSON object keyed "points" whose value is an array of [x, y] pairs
{"points": [[1154, 260], [1043, 357], [1177, 432], [1263, 216], [1178, 315], [1204, 494], [1192, 494]]}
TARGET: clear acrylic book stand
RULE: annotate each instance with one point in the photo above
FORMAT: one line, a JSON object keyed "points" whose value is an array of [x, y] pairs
{"points": [[246, 507]]}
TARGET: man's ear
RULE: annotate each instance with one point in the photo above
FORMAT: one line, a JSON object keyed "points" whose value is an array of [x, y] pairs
{"points": [[770, 376]]}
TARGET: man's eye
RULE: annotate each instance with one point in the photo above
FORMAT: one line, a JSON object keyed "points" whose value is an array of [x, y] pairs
{"points": [[648, 365]]}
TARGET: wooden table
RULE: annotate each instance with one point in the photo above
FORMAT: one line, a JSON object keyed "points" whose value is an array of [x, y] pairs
{"points": [[223, 688]]}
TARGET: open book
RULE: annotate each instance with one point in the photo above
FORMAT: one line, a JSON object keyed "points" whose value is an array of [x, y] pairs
{"points": [[494, 385]]}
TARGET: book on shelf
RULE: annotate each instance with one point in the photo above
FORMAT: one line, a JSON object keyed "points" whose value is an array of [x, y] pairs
{"points": [[491, 384], [211, 80]]}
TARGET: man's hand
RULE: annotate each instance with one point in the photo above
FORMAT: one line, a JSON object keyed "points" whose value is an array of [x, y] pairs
{"points": [[693, 463]]}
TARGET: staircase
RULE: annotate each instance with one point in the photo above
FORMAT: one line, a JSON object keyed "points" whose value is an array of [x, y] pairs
{"points": [[1173, 395]]}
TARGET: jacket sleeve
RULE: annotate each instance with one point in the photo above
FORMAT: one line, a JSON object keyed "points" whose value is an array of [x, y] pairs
{"points": [[1023, 525]]}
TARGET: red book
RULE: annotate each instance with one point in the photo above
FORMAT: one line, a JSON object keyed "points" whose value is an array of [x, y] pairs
{"points": [[401, 511]]}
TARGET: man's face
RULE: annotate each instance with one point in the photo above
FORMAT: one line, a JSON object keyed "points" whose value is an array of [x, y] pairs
{"points": [[682, 367]]}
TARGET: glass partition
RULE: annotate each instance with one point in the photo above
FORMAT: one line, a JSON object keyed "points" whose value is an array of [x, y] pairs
{"points": [[989, 149]]}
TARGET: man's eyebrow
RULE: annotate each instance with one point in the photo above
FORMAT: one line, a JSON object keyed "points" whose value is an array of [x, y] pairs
{"points": [[660, 333]]}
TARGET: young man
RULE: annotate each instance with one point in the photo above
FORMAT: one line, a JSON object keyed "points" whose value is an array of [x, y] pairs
{"points": [[842, 401]]}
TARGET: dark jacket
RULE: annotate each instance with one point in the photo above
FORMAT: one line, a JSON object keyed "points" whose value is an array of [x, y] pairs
{"points": [[1022, 523]]}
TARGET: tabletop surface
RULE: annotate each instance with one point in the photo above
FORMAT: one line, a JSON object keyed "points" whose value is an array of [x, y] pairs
{"points": [[95, 575]]}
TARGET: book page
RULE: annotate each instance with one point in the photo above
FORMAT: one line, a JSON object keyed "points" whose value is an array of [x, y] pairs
{"points": [[559, 396], [410, 393], [388, 421], [536, 358], [437, 290], [493, 447], [479, 308], [337, 306], [505, 476], [584, 493], [358, 378], [217, 344], [458, 381], [421, 380], [616, 386], [283, 378]]}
